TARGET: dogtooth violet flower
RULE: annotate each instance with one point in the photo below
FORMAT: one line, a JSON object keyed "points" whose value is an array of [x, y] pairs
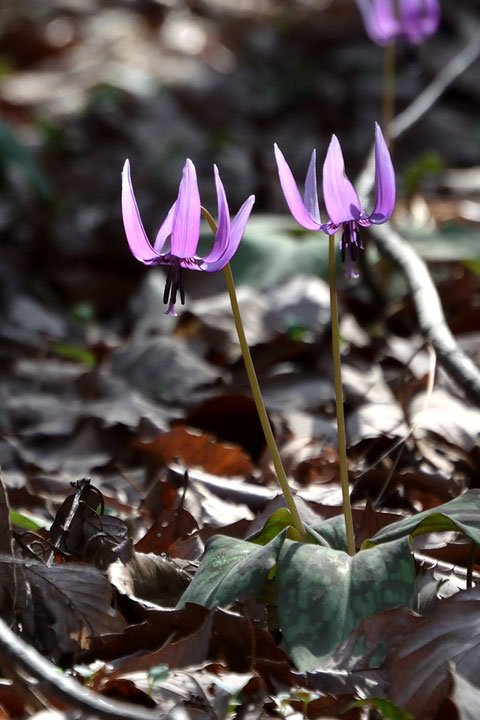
{"points": [[182, 226], [409, 20], [341, 200]]}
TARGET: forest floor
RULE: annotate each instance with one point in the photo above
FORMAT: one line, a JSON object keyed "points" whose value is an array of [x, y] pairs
{"points": [[129, 439]]}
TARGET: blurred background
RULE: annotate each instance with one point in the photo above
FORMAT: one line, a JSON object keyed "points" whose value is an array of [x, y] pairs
{"points": [[85, 84]]}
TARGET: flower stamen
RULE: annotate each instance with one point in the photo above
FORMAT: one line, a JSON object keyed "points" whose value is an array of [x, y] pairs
{"points": [[173, 285]]}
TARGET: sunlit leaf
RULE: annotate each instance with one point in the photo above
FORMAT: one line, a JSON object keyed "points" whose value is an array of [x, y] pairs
{"points": [[26, 521], [231, 570], [323, 594], [280, 520], [461, 514]]}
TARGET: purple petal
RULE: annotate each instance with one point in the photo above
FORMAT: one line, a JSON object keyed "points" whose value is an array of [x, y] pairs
{"points": [[420, 19], [384, 181], [310, 195], [431, 19], [186, 218], [237, 229], [379, 20], [292, 196], [138, 242], [222, 236], [339, 195], [165, 229]]}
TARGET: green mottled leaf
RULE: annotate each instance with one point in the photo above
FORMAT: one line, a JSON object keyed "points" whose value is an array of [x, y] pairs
{"points": [[275, 247], [280, 520], [451, 242], [332, 532], [324, 594], [461, 514], [231, 570]]}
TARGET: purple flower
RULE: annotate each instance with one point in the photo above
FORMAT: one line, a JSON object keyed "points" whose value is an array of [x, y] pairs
{"points": [[341, 200], [409, 20], [182, 225]]}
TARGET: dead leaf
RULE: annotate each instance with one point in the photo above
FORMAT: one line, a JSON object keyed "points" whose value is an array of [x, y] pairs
{"points": [[194, 449], [73, 605], [170, 526], [418, 663], [150, 577]]}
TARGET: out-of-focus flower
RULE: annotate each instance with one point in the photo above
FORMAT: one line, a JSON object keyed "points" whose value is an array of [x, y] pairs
{"points": [[409, 20], [341, 200], [182, 226]]}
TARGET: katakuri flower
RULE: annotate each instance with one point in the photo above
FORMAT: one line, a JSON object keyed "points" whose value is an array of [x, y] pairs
{"points": [[409, 20], [182, 226], [341, 200]]}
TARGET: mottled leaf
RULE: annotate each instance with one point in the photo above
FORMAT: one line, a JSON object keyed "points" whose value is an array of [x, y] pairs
{"points": [[461, 514], [323, 594], [280, 520], [231, 570], [271, 251], [332, 532]]}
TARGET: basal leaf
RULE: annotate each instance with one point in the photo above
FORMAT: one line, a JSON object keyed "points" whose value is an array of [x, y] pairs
{"points": [[280, 520], [275, 247], [461, 514], [324, 594], [332, 532], [231, 570]]}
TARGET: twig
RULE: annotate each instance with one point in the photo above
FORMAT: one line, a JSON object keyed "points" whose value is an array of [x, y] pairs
{"points": [[425, 297], [68, 690], [430, 315], [420, 106], [437, 87]]}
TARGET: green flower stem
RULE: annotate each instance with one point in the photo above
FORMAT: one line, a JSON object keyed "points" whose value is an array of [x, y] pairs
{"points": [[388, 94], [257, 395], [337, 376]]}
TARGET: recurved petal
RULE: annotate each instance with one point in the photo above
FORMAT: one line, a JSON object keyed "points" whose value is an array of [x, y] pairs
{"points": [[136, 236], [431, 19], [292, 196], [341, 200], [223, 228], [384, 181], [420, 18], [380, 20], [310, 195], [237, 228], [186, 217], [165, 229]]}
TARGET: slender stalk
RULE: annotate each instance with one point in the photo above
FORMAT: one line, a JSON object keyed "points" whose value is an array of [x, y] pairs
{"points": [[257, 395], [388, 94], [337, 376]]}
